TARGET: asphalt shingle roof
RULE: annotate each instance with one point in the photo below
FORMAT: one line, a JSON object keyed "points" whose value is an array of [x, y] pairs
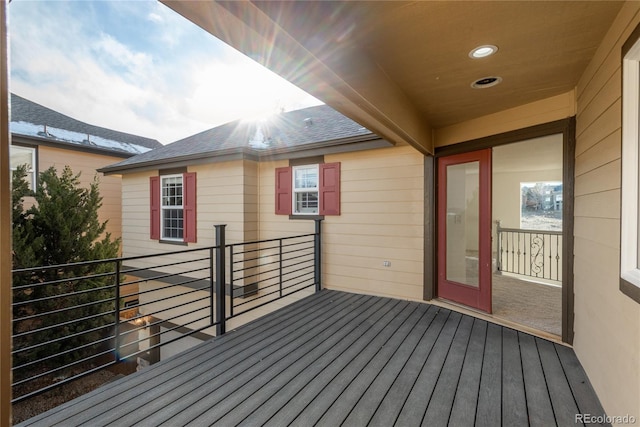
{"points": [[285, 131], [25, 114]]}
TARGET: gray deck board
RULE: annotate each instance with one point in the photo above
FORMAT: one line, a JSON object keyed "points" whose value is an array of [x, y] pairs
{"points": [[344, 359], [465, 402], [514, 404], [312, 400], [439, 409], [415, 406], [489, 409], [537, 394], [349, 347]]}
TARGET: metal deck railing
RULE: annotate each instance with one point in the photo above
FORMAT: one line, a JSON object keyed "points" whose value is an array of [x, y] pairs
{"points": [[75, 319]]}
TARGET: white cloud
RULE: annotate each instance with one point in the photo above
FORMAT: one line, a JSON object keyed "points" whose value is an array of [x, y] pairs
{"points": [[180, 82]]}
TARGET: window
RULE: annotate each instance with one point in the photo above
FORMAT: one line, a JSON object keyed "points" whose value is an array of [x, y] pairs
{"points": [[308, 190], [172, 218], [630, 225], [24, 156], [173, 207], [305, 190]]}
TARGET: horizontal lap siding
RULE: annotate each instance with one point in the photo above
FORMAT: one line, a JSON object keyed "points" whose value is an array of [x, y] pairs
{"points": [[220, 200], [382, 210], [86, 164], [607, 323]]}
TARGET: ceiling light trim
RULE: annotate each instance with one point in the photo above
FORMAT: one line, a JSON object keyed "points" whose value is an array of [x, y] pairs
{"points": [[483, 51]]}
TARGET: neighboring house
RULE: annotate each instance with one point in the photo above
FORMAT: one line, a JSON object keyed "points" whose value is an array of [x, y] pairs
{"points": [[41, 138], [272, 178]]}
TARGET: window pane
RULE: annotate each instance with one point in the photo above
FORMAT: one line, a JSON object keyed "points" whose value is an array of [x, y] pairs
{"points": [[21, 156], [172, 223], [24, 156], [306, 202], [306, 177]]}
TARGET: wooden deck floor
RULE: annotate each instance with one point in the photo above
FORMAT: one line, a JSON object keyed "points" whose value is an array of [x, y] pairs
{"points": [[344, 359]]}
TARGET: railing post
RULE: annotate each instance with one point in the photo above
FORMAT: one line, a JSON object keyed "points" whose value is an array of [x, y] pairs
{"points": [[231, 281], [212, 289], [220, 279], [280, 265], [318, 255], [116, 329]]}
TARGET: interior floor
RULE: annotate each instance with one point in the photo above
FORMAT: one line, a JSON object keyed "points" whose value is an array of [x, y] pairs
{"points": [[532, 304]]}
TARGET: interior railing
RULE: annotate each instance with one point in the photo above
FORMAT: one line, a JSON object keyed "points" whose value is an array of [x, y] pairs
{"points": [[75, 319], [531, 253]]}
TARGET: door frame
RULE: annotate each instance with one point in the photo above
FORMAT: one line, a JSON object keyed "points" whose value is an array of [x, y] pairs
{"points": [[566, 127]]}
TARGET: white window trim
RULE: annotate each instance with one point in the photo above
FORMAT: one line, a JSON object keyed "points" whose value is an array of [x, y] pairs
{"points": [[629, 240], [163, 208], [294, 190]]}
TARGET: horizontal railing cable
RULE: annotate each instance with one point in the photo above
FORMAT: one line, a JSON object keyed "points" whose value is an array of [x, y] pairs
{"points": [[128, 308]]}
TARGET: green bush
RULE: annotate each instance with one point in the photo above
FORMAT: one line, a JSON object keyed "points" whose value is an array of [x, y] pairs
{"points": [[60, 227]]}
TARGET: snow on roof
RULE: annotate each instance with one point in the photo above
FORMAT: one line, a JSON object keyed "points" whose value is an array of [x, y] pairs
{"points": [[63, 135]]}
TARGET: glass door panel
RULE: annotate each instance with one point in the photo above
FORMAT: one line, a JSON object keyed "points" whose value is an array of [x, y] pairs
{"points": [[463, 189]]}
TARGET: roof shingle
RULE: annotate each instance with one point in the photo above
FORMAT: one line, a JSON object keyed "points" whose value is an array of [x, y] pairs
{"points": [[29, 118], [284, 131]]}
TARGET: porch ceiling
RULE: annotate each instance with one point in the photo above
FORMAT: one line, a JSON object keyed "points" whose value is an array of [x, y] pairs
{"points": [[402, 68], [335, 358]]}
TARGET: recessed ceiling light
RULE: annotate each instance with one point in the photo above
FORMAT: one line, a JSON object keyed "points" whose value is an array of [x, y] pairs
{"points": [[483, 51], [486, 82]]}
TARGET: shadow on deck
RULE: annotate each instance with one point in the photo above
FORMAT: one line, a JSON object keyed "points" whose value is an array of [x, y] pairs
{"points": [[337, 358]]}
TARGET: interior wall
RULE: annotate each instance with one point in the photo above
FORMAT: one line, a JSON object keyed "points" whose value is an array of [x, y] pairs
{"points": [[607, 322]]}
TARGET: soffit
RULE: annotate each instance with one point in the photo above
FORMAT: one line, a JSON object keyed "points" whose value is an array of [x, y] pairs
{"points": [[402, 68]]}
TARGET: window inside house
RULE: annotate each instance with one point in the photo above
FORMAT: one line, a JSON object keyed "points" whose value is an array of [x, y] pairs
{"points": [[172, 211], [541, 205], [630, 218], [305, 190], [24, 156]]}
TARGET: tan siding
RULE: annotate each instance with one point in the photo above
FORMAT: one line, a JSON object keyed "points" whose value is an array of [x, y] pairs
{"points": [[382, 205], [605, 204], [222, 198], [604, 125], [543, 111], [609, 94], [86, 163], [600, 179], [601, 153], [607, 323]]}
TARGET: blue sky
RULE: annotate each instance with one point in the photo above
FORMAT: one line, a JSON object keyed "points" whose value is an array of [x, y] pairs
{"points": [[137, 67]]}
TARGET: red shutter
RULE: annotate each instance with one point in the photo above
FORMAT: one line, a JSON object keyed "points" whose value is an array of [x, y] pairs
{"points": [[283, 191], [330, 189], [154, 197], [189, 205]]}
